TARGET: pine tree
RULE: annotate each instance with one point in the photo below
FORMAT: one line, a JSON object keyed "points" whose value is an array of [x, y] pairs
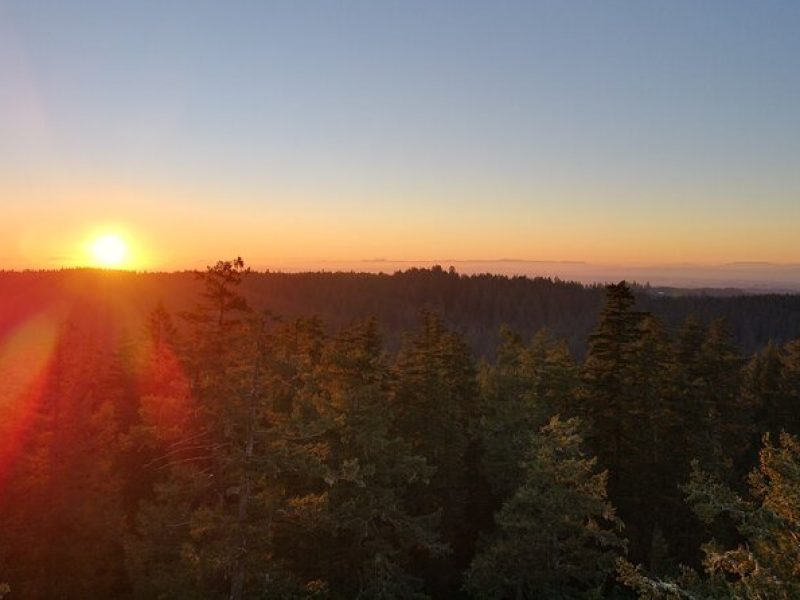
{"points": [[614, 407], [365, 538], [791, 387], [210, 529], [510, 411], [648, 496], [770, 388], [730, 419], [435, 408], [557, 536], [608, 403], [519, 393], [766, 564]]}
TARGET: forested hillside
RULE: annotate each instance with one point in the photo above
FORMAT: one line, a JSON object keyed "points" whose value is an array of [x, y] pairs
{"points": [[214, 449], [475, 305]]}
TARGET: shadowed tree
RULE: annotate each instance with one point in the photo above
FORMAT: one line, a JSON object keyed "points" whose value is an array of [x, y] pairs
{"points": [[435, 408], [766, 563], [557, 536], [519, 393], [364, 537], [210, 529]]}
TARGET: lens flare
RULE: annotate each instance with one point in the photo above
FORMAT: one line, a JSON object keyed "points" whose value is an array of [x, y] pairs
{"points": [[25, 356]]}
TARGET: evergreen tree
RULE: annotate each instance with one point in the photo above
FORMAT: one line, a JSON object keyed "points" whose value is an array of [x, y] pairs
{"points": [[729, 418], [365, 537], [767, 562], [209, 531], [510, 411], [557, 536], [608, 402], [519, 393], [791, 387], [648, 495], [435, 407], [615, 409], [770, 388]]}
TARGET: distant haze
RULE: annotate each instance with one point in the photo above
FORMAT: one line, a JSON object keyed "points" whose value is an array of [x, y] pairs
{"points": [[748, 277]]}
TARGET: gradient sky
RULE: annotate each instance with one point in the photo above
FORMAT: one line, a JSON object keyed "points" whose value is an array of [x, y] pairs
{"points": [[616, 132]]}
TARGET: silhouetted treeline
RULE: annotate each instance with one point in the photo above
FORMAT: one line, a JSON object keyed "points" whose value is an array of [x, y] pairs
{"points": [[226, 451], [474, 305]]}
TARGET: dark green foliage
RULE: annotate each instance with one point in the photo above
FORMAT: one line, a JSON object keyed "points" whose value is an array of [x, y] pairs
{"points": [[619, 393], [210, 528], [233, 454], [771, 387], [476, 305], [766, 563], [435, 407], [364, 534], [557, 536], [526, 385], [610, 405]]}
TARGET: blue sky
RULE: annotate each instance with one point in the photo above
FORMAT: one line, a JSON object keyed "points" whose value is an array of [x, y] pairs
{"points": [[599, 131]]}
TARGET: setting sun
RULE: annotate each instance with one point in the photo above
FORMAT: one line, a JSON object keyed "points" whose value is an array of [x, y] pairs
{"points": [[109, 251]]}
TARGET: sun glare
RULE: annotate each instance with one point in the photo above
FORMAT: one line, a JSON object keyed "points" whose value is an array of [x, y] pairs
{"points": [[109, 251]]}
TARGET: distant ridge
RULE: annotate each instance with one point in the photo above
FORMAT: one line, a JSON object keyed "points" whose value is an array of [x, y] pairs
{"points": [[748, 276], [477, 305]]}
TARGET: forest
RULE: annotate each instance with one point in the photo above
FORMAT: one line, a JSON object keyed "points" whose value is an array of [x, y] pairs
{"points": [[420, 435], [476, 306]]}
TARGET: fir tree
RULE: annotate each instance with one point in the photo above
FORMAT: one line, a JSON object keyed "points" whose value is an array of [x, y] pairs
{"points": [[210, 529], [365, 538], [607, 405], [435, 408], [557, 536], [519, 393], [766, 564], [614, 408]]}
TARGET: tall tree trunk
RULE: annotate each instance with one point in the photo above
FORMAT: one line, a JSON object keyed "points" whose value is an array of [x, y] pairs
{"points": [[237, 581]]}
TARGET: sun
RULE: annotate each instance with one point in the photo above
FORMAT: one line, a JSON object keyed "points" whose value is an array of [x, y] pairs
{"points": [[109, 251]]}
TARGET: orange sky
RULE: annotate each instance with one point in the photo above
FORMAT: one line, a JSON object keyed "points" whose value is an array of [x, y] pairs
{"points": [[49, 226], [300, 136]]}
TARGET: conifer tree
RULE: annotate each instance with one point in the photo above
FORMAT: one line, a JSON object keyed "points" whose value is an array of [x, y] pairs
{"points": [[769, 390], [766, 563], [791, 386], [557, 536], [614, 407], [608, 403], [730, 419], [435, 408], [210, 529], [510, 411], [519, 393], [648, 495], [365, 537]]}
